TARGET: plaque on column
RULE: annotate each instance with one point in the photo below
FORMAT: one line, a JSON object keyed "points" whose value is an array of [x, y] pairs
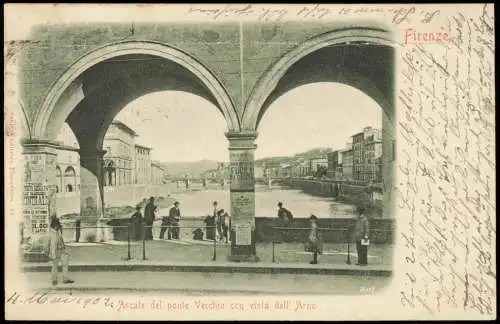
{"points": [[243, 233]]}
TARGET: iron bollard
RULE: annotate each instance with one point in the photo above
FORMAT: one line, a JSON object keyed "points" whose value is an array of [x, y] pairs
{"points": [[144, 243], [273, 253], [128, 244], [215, 249], [348, 246]]}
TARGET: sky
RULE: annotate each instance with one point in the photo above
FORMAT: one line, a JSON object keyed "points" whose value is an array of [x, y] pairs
{"points": [[183, 127]]}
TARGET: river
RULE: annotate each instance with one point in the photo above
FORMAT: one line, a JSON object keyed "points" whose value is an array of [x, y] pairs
{"points": [[198, 202]]}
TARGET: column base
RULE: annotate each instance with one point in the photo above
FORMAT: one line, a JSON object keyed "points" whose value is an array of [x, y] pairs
{"points": [[88, 235], [95, 232], [243, 258]]}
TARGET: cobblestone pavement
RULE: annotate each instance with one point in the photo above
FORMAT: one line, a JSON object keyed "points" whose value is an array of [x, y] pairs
{"points": [[192, 283], [203, 251]]}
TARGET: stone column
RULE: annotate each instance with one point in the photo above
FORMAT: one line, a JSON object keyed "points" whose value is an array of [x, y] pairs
{"points": [[91, 194], [40, 180], [242, 196], [388, 166]]}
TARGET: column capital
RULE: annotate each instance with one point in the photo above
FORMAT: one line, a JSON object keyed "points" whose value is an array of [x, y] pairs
{"points": [[39, 146], [244, 140], [91, 154]]}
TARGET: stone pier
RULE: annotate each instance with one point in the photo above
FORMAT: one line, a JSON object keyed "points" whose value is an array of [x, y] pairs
{"points": [[242, 196]]}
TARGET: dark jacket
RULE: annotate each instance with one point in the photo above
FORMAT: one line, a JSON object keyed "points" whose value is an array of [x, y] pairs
{"points": [[362, 228], [137, 218], [174, 214], [149, 213], [285, 215]]}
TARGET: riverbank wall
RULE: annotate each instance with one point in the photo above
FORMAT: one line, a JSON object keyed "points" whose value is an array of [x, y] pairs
{"points": [[120, 196], [269, 229], [347, 193]]}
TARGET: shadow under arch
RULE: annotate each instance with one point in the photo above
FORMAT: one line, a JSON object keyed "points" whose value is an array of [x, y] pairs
{"points": [[271, 85], [68, 81]]}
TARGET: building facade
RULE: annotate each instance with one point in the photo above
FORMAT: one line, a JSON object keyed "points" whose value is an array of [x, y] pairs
{"points": [[335, 165], [373, 156], [318, 166], [157, 173], [358, 157], [142, 164], [119, 157], [347, 164], [367, 155], [67, 170]]}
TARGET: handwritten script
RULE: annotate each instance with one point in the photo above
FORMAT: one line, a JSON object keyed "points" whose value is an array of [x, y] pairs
{"points": [[398, 14], [447, 168]]}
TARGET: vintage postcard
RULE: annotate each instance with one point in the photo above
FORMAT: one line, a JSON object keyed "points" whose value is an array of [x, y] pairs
{"points": [[249, 161]]}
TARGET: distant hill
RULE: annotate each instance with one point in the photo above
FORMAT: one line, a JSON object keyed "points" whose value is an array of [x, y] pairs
{"points": [[179, 169], [313, 153], [316, 152]]}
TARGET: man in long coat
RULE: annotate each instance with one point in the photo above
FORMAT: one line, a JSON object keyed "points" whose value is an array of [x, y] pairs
{"points": [[175, 216], [149, 218], [361, 236]]}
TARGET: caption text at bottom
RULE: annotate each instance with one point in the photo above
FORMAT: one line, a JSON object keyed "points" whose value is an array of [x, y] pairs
{"points": [[214, 305]]}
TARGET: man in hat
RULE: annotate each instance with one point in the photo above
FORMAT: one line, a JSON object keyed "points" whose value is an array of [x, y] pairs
{"points": [[315, 241], [149, 218], [57, 252], [361, 233], [286, 218], [137, 223], [175, 216]]}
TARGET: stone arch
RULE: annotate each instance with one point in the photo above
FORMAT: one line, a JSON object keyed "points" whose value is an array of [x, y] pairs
{"points": [[109, 173], [70, 179], [69, 79], [59, 177], [268, 82]]}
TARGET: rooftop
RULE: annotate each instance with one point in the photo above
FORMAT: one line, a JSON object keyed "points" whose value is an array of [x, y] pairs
{"points": [[143, 146], [123, 126]]}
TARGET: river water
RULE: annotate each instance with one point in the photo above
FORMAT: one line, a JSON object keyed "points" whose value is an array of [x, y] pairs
{"points": [[198, 202]]}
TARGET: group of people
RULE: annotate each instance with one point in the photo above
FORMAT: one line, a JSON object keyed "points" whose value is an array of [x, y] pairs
{"points": [[314, 242], [217, 224], [144, 225]]}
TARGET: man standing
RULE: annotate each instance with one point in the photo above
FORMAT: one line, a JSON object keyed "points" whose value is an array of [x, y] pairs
{"points": [[57, 252], [149, 218], [215, 215], [361, 233], [286, 218], [166, 225], [175, 216], [137, 224]]}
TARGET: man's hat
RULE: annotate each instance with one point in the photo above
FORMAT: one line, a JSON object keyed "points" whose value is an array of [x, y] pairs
{"points": [[176, 203], [138, 207], [313, 216], [280, 204]]}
